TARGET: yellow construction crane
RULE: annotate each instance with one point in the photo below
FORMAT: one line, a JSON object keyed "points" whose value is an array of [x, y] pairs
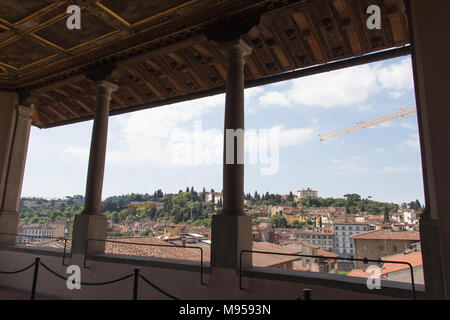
{"points": [[402, 112]]}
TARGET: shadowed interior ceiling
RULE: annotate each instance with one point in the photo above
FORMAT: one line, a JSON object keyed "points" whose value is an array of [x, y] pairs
{"points": [[165, 50]]}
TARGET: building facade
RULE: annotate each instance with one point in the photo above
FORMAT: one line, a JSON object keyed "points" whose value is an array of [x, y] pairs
{"points": [[306, 193], [381, 243], [343, 244], [35, 233], [319, 238]]}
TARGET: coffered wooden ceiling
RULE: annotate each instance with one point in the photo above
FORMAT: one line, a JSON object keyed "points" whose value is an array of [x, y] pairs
{"points": [[166, 50]]}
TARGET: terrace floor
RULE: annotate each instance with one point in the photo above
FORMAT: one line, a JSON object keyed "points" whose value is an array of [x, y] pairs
{"points": [[13, 294]]}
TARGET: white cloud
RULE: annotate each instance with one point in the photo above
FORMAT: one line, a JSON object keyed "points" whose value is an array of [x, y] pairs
{"points": [[275, 98], [174, 136], [340, 88], [346, 88], [295, 137], [151, 135], [363, 108], [397, 78], [400, 169], [352, 165], [413, 142], [408, 126], [77, 152], [250, 102]]}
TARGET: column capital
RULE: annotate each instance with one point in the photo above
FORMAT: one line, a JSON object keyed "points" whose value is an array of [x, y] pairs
{"points": [[24, 112], [236, 44], [105, 87]]}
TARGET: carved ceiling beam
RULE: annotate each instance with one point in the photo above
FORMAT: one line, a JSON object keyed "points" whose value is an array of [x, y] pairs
{"points": [[68, 109]]}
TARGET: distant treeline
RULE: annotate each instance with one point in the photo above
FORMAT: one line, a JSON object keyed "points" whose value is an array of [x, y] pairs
{"points": [[188, 206]]}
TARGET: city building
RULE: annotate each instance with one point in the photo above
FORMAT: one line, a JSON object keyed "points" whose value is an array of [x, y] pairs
{"points": [[380, 243], [145, 204], [262, 232], [409, 217], [313, 264], [215, 197], [260, 211], [343, 243], [397, 272], [32, 203], [282, 209], [322, 238], [35, 233], [306, 193]]}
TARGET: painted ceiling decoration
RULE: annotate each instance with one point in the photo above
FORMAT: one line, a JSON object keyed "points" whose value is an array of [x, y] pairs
{"points": [[167, 50]]}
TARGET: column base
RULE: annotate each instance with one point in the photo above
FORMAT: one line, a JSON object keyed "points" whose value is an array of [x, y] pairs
{"points": [[432, 257], [9, 223], [229, 235], [86, 227]]}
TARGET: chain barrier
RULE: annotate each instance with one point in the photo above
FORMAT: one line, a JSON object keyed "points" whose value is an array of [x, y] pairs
{"points": [[41, 237], [87, 283], [149, 245], [135, 274], [17, 271], [307, 295], [157, 288]]}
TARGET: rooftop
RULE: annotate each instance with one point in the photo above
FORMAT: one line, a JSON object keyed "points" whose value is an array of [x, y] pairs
{"points": [[413, 257], [387, 234]]}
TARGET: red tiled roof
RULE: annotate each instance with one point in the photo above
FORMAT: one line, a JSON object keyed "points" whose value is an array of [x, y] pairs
{"points": [[186, 254], [326, 253], [269, 260], [387, 234], [299, 268], [178, 253], [413, 257]]}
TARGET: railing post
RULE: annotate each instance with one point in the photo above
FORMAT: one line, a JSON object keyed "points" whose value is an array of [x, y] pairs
{"points": [[412, 281], [307, 294], [35, 275], [64, 253], [136, 283], [85, 251], [240, 269]]}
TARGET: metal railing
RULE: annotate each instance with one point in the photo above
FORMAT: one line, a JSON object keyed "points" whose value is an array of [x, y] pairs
{"points": [[364, 260], [136, 276], [40, 237], [150, 245]]}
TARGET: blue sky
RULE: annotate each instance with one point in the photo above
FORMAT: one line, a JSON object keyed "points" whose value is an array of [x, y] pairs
{"points": [[180, 145]]}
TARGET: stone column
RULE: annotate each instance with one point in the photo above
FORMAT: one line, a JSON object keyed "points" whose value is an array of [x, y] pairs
{"points": [[430, 26], [91, 224], [15, 122], [231, 230]]}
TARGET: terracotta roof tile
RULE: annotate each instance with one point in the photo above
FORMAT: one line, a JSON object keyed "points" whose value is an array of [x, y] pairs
{"points": [[413, 257], [326, 253], [175, 252], [186, 254], [387, 234], [268, 260]]}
